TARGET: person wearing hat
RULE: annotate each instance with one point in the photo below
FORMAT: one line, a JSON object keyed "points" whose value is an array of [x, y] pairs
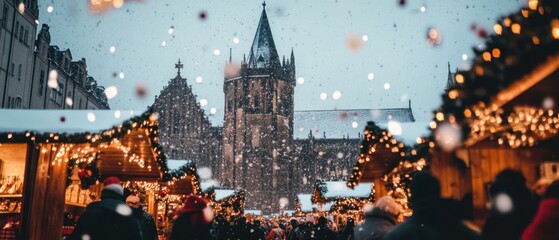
{"points": [[379, 219], [147, 224], [434, 218], [322, 231], [276, 233], [108, 219], [194, 222]]}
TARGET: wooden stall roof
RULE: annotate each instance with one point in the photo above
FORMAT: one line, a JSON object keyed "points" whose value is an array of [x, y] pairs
{"points": [[183, 186], [532, 90], [185, 179], [127, 148], [381, 151], [332, 190], [516, 68], [136, 162]]}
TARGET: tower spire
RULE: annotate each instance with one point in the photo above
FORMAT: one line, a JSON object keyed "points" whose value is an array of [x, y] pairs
{"points": [[292, 57], [230, 58], [263, 52], [264, 3], [178, 66]]}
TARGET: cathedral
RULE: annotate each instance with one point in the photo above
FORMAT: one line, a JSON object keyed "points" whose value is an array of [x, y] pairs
{"points": [[264, 145]]}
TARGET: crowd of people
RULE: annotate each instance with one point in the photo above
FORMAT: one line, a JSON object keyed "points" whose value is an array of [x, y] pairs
{"points": [[516, 213]]}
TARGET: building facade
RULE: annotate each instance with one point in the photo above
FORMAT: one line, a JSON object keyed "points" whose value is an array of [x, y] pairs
{"points": [[186, 132], [264, 146], [18, 28], [258, 123], [27, 65]]}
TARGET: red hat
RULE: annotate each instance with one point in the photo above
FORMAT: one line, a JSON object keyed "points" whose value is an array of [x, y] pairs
{"points": [[194, 204], [113, 184]]}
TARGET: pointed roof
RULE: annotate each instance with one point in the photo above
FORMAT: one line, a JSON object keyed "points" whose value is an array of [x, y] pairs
{"points": [[450, 82], [263, 52]]}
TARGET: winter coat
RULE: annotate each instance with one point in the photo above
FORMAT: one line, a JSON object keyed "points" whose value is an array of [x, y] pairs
{"points": [[183, 230], [433, 219], [256, 232], [322, 232], [546, 223], [508, 226], [377, 223], [101, 221], [147, 224], [295, 233], [275, 234]]}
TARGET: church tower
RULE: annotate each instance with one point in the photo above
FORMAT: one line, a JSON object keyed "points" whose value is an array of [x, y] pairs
{"points": [[258, 124]]}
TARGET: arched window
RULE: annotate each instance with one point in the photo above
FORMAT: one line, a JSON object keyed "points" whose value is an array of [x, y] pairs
{"points": [[176, 122], [17, 102]]}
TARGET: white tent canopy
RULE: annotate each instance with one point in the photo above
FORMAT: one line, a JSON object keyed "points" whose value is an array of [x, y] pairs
{"points": [[308, 206], [62, 121], [340, 189]]}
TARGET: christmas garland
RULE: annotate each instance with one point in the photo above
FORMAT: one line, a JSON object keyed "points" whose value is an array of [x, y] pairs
{"points": [[375, 136], [188, 169], [88, 173], [341, 204], [148, 121], [522, 41]]}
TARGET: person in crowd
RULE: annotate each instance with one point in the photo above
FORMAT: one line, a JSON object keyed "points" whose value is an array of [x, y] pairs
{"points": [[379, 219], [223, 228], [109, 218], [194, 222], [295, 233], [332, 225], [322, 231], [307, 227], [147, 224], [540, 187], [433, 218], [512, 207], [276, 233], [256, 231], [546, 222], [347, 233]]}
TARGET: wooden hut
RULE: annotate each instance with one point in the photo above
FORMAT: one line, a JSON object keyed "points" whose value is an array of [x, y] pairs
{"points": [[304, 206], [502, 112], [346, 201], [388, 161], [43, 149]]}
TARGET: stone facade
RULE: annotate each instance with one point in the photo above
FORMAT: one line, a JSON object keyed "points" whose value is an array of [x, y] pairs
{"points": [[25, 65], [260, 147], [258, 124], [186, 132]]}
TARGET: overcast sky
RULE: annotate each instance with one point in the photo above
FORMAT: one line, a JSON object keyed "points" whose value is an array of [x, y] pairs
{"points": [[396, 51]]}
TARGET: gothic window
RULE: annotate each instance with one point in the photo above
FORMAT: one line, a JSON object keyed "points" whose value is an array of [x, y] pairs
{"points": [[9, 102], [257, 103], [17, 102], [176, 122], [19, 72]]}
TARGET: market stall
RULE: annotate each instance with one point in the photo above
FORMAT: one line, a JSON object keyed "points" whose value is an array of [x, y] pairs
{"points": [[502, 112], [388, 161], [304, 206], [226, 202], [57, 158], [346, 201]]}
